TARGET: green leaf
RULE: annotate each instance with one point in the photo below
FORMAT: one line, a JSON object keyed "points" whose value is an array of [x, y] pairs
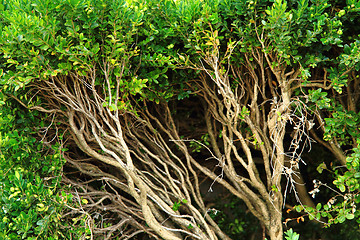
{"points": [[321, 167], [17, 175], [341, 218], [298, 208], [113, 107], [318, 206], [291, 235], [342, 187]]}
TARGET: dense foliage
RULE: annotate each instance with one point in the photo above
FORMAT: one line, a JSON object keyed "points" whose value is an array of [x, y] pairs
{"points": [[32, 202], [153, 100]]}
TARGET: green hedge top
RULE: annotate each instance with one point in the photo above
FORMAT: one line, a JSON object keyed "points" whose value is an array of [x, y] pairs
{"points": [[146, 44]]}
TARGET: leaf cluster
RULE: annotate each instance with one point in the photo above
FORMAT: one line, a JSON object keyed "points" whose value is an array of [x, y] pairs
{"points": [[32, 207]]}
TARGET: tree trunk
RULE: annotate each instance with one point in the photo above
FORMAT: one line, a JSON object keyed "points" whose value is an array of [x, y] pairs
{"points": [[275, 228]]}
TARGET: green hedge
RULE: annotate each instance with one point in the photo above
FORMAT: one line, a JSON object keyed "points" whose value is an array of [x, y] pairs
{"points": [[31, 197]]}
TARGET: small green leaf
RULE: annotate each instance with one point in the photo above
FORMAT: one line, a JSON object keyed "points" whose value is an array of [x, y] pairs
{"points": [[341, 218], [113, 107], [17, 175], [274, 188], [298, 208], [321, 167], [318, 206]]}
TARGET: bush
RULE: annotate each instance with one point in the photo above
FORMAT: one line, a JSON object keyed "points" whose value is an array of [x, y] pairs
{"points": [[32, 201], [145, 91]]}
